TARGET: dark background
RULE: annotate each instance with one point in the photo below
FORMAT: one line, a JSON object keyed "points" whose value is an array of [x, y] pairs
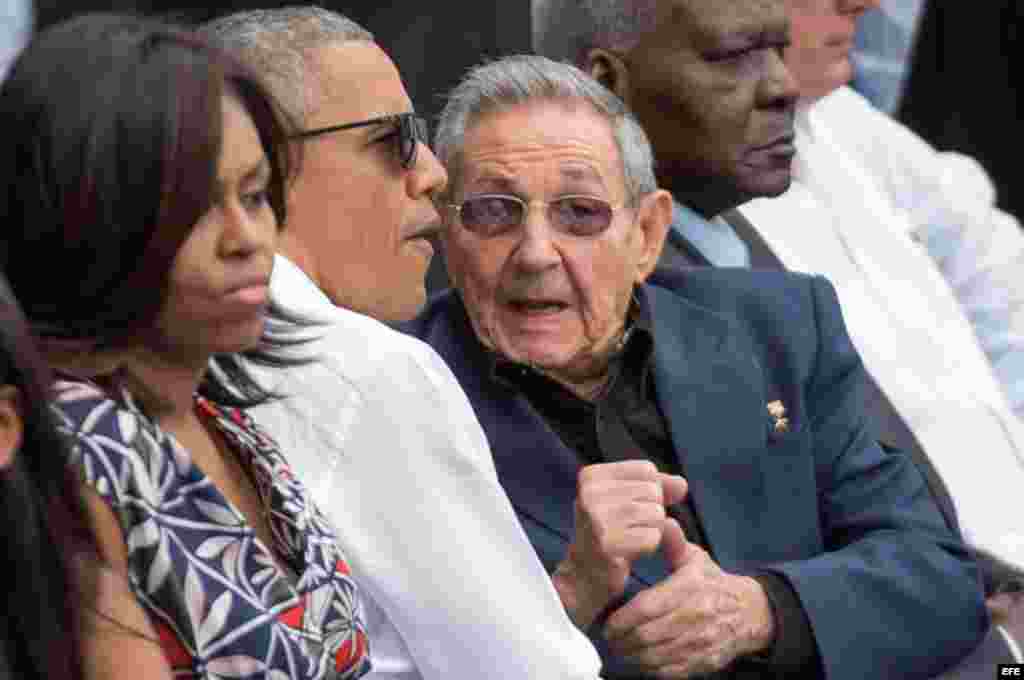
{"points": [[965, 87], [433, 43], [963, 92]]}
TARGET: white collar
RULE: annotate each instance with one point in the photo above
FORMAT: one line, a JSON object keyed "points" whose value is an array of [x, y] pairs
{"points": [[293, 290]]}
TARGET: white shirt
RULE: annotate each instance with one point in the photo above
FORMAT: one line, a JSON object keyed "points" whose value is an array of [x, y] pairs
{"points": [[391, 451], [917, 252]]}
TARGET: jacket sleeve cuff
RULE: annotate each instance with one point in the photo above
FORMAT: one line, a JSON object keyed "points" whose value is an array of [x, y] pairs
{"points": [[794, 650]]}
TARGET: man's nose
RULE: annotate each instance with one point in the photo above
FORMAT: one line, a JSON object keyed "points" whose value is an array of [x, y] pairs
{"points": [[779, 87], [536, 250], [428, 177], [245, 234]]}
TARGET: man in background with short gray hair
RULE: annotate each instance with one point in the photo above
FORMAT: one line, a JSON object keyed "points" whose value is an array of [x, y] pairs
{"points": [[377, 427]]}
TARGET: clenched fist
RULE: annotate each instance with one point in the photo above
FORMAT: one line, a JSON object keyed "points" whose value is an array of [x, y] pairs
{"points": [[620, 516]]}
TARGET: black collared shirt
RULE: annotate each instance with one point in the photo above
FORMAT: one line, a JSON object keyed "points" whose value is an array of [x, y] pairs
{"points": [[625, 422]]}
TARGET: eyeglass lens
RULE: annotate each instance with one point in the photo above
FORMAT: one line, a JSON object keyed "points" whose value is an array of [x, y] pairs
{"points": [[578, 215]]}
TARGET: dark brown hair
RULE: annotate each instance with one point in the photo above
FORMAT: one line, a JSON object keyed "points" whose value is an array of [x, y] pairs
{"points": [[111, 137], [43, 527]]}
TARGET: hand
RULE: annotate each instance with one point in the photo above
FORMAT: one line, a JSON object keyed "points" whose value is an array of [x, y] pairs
{"points": [[695, 622], [1006, 609], [619, 515]]}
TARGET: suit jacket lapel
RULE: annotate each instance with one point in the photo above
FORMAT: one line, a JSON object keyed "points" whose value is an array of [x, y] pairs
{"points": [[537, 471], [710, 387], [761, 254]]}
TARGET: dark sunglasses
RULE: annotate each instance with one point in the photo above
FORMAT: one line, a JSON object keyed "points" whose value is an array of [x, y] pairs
{"points": [[493, 214], [412, 129]]}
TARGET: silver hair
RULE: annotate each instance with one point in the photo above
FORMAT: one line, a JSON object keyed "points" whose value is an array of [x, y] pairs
{"points": [[565, 30], [523, 79], [277, 44]]}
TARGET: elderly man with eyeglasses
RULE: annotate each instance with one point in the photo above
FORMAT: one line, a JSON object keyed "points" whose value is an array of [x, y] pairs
{"points": [[377, 425], [687, 450]]}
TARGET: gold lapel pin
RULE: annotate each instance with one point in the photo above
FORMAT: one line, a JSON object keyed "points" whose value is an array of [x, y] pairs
{"points": [[778, 413]]}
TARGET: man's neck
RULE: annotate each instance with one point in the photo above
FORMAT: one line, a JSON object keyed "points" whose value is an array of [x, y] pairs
{"points": [[705, 200], [587, 388], [589, 382]]}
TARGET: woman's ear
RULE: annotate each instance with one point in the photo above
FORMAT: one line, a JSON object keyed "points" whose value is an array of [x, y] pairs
{"points": [[11, 425], [610, 70]]}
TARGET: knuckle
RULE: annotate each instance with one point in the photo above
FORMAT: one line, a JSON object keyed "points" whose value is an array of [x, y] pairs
{"points": [[647, 540], [587, 475], [587, 497], [646, 637], [716, 659], [604, 539], [648, 469], [651, 490], [647, 608], [647, 513]]}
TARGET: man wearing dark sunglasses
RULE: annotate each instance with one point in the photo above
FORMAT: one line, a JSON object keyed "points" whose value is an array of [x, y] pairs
{"points": [[377, 426], [408, 131], [360, 213], [686, 449]]}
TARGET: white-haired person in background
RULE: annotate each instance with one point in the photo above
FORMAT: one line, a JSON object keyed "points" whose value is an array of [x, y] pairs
{"points": [[926, 267]]}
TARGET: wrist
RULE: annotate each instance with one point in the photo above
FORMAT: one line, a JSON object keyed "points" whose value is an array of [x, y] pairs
{"points": [[760, 629], [582, 610]]}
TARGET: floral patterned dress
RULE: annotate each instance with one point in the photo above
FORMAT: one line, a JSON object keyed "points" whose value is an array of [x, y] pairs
{"points": [[220, 604]]}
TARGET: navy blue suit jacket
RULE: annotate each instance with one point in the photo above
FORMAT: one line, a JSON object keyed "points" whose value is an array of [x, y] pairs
{"points": [[888, 590]]}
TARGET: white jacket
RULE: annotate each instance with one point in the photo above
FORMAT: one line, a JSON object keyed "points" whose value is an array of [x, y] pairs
{"points": [[389, 447], [928, 273]]}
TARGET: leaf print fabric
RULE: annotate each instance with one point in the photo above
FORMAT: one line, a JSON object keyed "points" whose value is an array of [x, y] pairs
{"points": [[221, 605]]}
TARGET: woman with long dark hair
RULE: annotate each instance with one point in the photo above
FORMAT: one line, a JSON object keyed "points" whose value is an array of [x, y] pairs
{"points": [[149, 185], [44, 542]]}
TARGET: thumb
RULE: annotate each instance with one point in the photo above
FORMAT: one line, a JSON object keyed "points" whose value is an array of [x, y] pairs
{"points": [[674, 489], [674, 545]]}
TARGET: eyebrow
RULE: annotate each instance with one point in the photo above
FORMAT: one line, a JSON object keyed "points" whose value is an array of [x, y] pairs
{"points": [[501, 183], [497, 183], [576, 173]]}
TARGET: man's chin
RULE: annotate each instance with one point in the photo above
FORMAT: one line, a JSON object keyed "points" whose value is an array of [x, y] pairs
{"points": [[769, 185]]}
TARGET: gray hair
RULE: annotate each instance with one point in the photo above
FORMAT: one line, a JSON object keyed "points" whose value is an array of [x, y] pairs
{"points": [[524, 79], [276, 44], [565, 30]]}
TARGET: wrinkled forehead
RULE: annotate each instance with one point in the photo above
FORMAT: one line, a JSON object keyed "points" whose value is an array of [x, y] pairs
{"points": [[555, 142], [701, 20]]}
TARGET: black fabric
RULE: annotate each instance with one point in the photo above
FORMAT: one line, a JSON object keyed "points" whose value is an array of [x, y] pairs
{"points": [[623, 423], [792, 654]]}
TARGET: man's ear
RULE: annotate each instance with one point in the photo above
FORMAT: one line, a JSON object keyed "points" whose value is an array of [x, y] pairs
{"points": [[11, 426], [654, 216], [610, 70]]}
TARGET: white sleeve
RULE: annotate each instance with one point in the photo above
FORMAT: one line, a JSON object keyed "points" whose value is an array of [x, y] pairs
{"points": [[978, 248], [429, 532]]}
